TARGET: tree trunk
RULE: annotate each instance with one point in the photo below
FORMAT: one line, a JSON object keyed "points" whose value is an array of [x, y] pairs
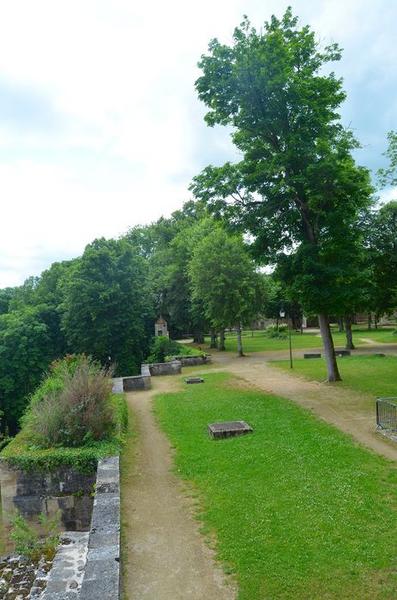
{"points": [[376, 321], [340, 325], [239, 341], [329, 350], [369, 320], [221, 344], [213, 338], [349, 333], [198, 337]]}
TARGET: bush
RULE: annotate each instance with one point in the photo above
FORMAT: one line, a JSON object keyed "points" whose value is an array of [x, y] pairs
{"points": [[277, 332], [72, 406], [161, 347]]}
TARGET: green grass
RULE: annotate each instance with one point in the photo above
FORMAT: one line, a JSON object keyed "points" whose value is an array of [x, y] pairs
{"points": [[261, 343], [372, 375], [299, 511]]}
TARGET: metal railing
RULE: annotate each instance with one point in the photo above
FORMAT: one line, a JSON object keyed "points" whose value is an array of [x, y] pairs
{"points": [[386, 413]]}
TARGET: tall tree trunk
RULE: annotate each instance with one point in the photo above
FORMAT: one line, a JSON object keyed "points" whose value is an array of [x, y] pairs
{"points": [[329, 350], [369, 320], [349, 333], [213, 338], [198, 337], [221, 344], [376, 320], [239, 341], [340, 325]]}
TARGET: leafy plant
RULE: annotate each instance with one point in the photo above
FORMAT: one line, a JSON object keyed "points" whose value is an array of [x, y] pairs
{"points": [[162, 347], [72, 407], [277, 332], [35, 542]]}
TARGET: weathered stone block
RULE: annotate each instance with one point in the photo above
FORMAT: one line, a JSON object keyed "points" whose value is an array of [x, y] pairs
{"points": [[228, 429]]}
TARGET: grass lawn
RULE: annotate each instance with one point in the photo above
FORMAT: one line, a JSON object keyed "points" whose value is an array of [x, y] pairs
{"points": [[299, 511], [373, 375], [261, 343]]}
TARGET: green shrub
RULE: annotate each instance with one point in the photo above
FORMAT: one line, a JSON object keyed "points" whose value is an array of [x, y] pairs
{"points": [[161, 347], [23, 453], [33, 542], [72, 406], [276, 331]]}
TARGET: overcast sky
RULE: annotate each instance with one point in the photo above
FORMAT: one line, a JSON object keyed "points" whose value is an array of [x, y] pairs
{"points": [[100, 127]]}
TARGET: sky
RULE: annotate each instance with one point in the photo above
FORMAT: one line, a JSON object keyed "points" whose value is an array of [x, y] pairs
{"points": [[100, 125]]}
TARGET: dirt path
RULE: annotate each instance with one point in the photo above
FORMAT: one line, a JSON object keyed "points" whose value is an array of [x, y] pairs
{"points": [[165, 553], [350, 411]]}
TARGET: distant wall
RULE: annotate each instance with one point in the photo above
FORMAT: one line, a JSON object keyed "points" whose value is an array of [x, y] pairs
{"points": [[169, 368], [136, 382], [193, 361]]}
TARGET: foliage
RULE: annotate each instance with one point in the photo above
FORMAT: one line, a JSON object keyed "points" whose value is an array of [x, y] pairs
{"points": [[106, 309], [292, 504], [277, 331], [32, 542], [388, 176], [381, 239], [297, 190], [224, 279], [25, 352], [162, 346], [24, 453], [72, 407], [163, 349]]}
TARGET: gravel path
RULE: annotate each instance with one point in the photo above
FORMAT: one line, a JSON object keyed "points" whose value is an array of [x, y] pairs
{"points": [[166, 556]]}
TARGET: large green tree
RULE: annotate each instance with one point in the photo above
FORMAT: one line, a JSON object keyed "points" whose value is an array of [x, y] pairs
{"points": [[297, 189], [381, 228], [25, 353], [225, 281], [106, 309]]}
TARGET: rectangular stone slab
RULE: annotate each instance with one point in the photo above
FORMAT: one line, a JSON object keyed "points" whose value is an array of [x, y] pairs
{"points": [[342, 352], [228, 429], [194, 380], [312, 355]]}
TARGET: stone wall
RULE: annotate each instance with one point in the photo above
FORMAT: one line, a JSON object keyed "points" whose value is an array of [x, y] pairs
{"points": [[136, 382], [65, 490], [102, 569], [194, 361], [169, 368]]}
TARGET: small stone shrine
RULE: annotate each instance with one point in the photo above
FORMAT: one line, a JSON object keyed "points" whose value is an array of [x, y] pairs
{"points": [[161, 328]]}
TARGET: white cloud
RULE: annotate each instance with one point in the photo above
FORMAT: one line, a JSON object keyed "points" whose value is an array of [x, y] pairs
{"points": [[127, 132]]}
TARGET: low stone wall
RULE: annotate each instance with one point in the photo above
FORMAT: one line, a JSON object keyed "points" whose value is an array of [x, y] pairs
{"points": [[136, 382], [194, 361], [102, 569], [30, 493], [169, 368]]}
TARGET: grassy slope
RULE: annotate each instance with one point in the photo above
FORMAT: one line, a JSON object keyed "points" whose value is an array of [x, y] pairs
{"points": [[373, 375], [299, 511], [260, 343]]}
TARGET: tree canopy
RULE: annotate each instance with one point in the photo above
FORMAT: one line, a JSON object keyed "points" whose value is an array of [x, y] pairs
{"points": [[297, 189]]}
